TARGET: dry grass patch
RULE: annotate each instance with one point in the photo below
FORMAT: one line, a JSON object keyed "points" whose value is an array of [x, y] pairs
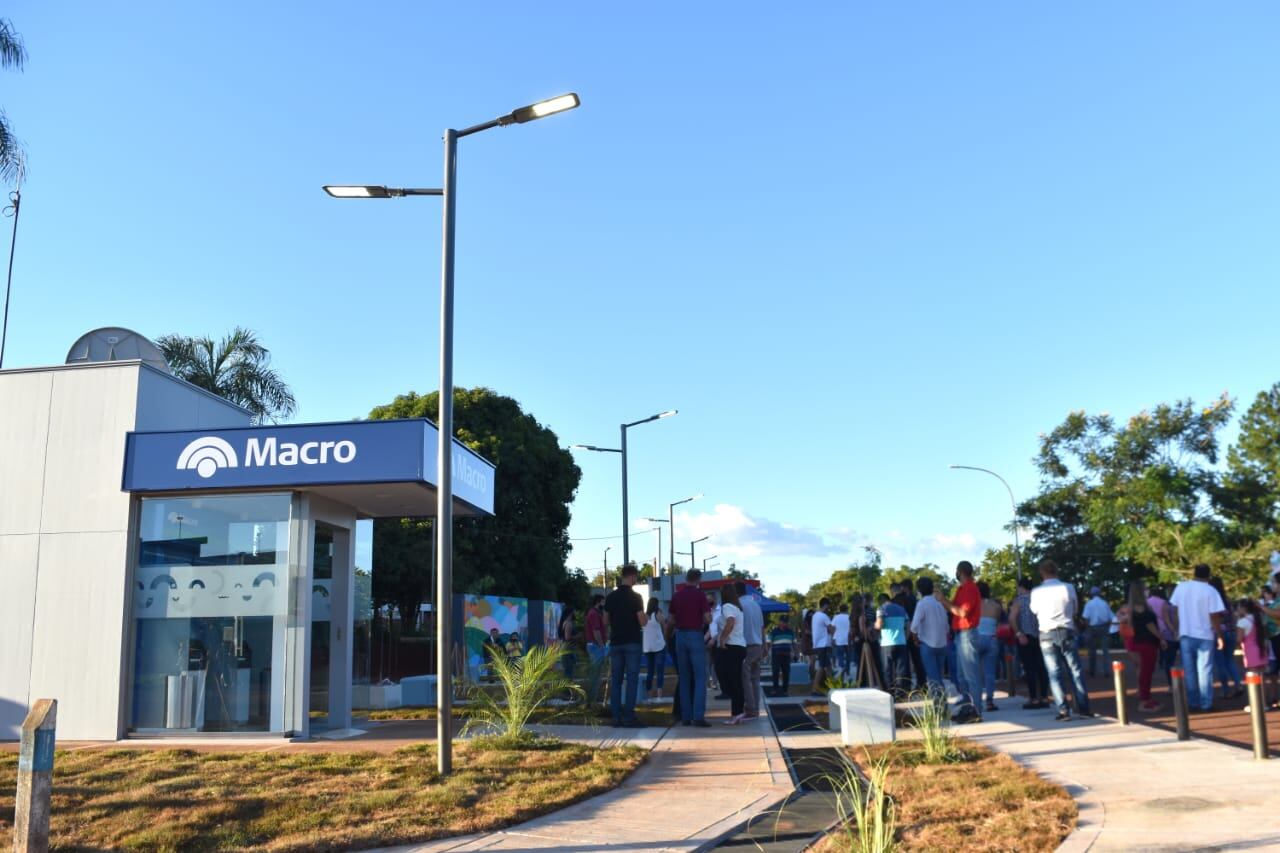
{"points": [[984, 802], [180, 799]]}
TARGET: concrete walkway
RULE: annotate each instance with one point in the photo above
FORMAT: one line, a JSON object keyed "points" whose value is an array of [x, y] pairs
{"points": [[696, 786], [1139, 788]]}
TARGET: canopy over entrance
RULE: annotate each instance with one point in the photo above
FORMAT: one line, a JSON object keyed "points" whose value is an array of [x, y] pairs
{"points": [[380, 468]]}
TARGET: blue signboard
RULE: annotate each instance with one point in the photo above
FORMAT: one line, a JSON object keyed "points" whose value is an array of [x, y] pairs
{"points": [[353, 452]]}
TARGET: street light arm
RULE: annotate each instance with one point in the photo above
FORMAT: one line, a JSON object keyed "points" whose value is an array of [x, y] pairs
{"points": [[1012, 501], [651, 418], [597, 449]]}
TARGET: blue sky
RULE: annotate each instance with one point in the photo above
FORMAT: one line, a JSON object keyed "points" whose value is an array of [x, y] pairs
{"points": [[851, 243]]}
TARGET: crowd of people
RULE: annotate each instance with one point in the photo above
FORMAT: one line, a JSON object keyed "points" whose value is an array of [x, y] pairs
{"points": [[915, 637]]}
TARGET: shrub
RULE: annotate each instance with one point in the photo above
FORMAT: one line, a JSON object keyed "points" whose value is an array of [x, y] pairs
{"points": [[526, 684], [929, 715], [868, 819]]}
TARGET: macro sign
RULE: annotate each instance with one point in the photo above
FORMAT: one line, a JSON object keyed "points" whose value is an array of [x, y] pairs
{"points": [[345, 453]]}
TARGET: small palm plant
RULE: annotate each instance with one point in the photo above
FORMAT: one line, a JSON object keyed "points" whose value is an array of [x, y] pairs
{"points": [[527, 686]]}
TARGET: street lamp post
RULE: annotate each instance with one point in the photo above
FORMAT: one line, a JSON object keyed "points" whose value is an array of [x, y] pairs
{"points": [[1017, 548], [706, 560], [605, 582], [671, 519], [626, 523], [657, 561], [693, 563], [444, 445]]}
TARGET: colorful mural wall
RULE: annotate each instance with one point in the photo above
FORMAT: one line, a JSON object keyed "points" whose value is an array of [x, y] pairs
{"points": [[551, 611], [481, 613]]}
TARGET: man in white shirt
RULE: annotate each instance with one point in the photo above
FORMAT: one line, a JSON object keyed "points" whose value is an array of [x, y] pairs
{"points": [[1054, 604], [822, 634], [840, 626], [1196, 610], [1097, 637], [753, 632], [930, 626]]}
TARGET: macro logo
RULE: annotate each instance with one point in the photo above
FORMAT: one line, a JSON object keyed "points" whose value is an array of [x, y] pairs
{"points": [[206, 455]]}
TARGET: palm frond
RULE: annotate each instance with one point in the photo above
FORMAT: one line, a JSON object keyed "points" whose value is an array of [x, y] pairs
{"points": [[13, 54], [13, 159]]}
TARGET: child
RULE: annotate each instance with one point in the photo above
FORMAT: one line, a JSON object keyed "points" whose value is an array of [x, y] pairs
{"points": [[1251, 624]]}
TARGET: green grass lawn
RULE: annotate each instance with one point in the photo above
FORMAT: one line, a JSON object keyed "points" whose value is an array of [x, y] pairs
{"points": [[180, 799]]}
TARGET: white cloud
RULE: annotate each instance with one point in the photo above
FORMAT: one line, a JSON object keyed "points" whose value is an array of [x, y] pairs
{"points": [[735, 533]]}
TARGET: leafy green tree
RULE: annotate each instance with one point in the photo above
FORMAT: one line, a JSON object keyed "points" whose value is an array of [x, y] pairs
{"points": [[793, 598], [13, 54], [1249, 495], [999, 568], [236, 368], [574, 589], [521, 551], [911, 574], [1144, 485], [403, 549]]}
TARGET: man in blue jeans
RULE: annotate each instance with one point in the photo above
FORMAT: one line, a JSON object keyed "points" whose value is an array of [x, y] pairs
{"points": [[689, 615], [966, 613], [1196, 610], [625, 618], [1055, 606]]}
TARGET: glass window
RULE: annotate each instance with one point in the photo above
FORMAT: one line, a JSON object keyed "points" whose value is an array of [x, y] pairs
{"points": [[210, 608]]}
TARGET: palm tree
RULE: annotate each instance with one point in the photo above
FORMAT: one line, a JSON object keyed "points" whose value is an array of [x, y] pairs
{"points": [[12, 55], [235, 368]]}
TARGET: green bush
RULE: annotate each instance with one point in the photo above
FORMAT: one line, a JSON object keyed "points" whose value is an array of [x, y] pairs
{"points": [[526, 685]]}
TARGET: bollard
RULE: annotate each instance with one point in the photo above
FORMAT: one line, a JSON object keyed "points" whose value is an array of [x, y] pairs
{"points": [[1009, 677], [1179, 690], [1122, 700], [1258, 714], [35, 778]]}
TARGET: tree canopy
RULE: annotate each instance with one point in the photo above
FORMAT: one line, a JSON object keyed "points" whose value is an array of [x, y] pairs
{"points": [[521, 551]]}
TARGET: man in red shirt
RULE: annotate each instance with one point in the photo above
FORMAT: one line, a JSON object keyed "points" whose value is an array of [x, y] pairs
{"points": [[690, 614], [966, 612]]}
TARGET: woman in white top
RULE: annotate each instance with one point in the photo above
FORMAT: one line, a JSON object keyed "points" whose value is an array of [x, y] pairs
{"points": [[655, 647], [732, 642]]}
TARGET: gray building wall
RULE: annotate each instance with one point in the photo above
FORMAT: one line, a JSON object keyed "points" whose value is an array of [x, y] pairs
{"points": [[65, 531]]}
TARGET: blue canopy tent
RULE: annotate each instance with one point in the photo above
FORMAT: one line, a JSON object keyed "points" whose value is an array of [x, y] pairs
{"points": [[769, 605]]}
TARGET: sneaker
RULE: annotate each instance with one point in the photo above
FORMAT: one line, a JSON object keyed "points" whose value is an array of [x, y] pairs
{"points": [[991, 706], [1030, 706], [1152, 706], [749, 716], [733, 721], [701, 724], [1063, 716]]}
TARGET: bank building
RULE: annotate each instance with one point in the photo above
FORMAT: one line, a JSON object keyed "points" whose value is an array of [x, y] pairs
{"points": [[171, 569]]}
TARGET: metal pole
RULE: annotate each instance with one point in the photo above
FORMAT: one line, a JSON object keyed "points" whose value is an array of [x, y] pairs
{"points": [[16, 198], [1122, 699], [626, 537], [444, 466], [671, 519], [693, 563], [1017, 548], [657, 560], [1178, 687], [1257, 714]]}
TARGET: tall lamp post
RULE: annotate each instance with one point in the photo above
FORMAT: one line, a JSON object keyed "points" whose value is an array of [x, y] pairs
{"points": [[444, 445], [693, 563], [1017, 548], [657, 560], [605, 582], [626, 523], [671, 519], [706, 560]]}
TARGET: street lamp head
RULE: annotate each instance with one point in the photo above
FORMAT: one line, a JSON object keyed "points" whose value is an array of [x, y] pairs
{"points": [[357, 191], [658, 520], [669, 413], [703, 539], [542, 109]]}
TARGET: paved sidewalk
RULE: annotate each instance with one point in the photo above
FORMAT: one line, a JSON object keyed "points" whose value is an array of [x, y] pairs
{"points": [[1139, 788], [696, 786]]}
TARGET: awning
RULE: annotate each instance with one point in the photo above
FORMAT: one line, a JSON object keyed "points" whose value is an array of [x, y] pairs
{"points": [[769, 605], [381, 468]]}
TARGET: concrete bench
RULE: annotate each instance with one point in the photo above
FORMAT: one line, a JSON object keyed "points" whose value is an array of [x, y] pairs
{"points": [[375, 696], [418, 690], [862, 715]]}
